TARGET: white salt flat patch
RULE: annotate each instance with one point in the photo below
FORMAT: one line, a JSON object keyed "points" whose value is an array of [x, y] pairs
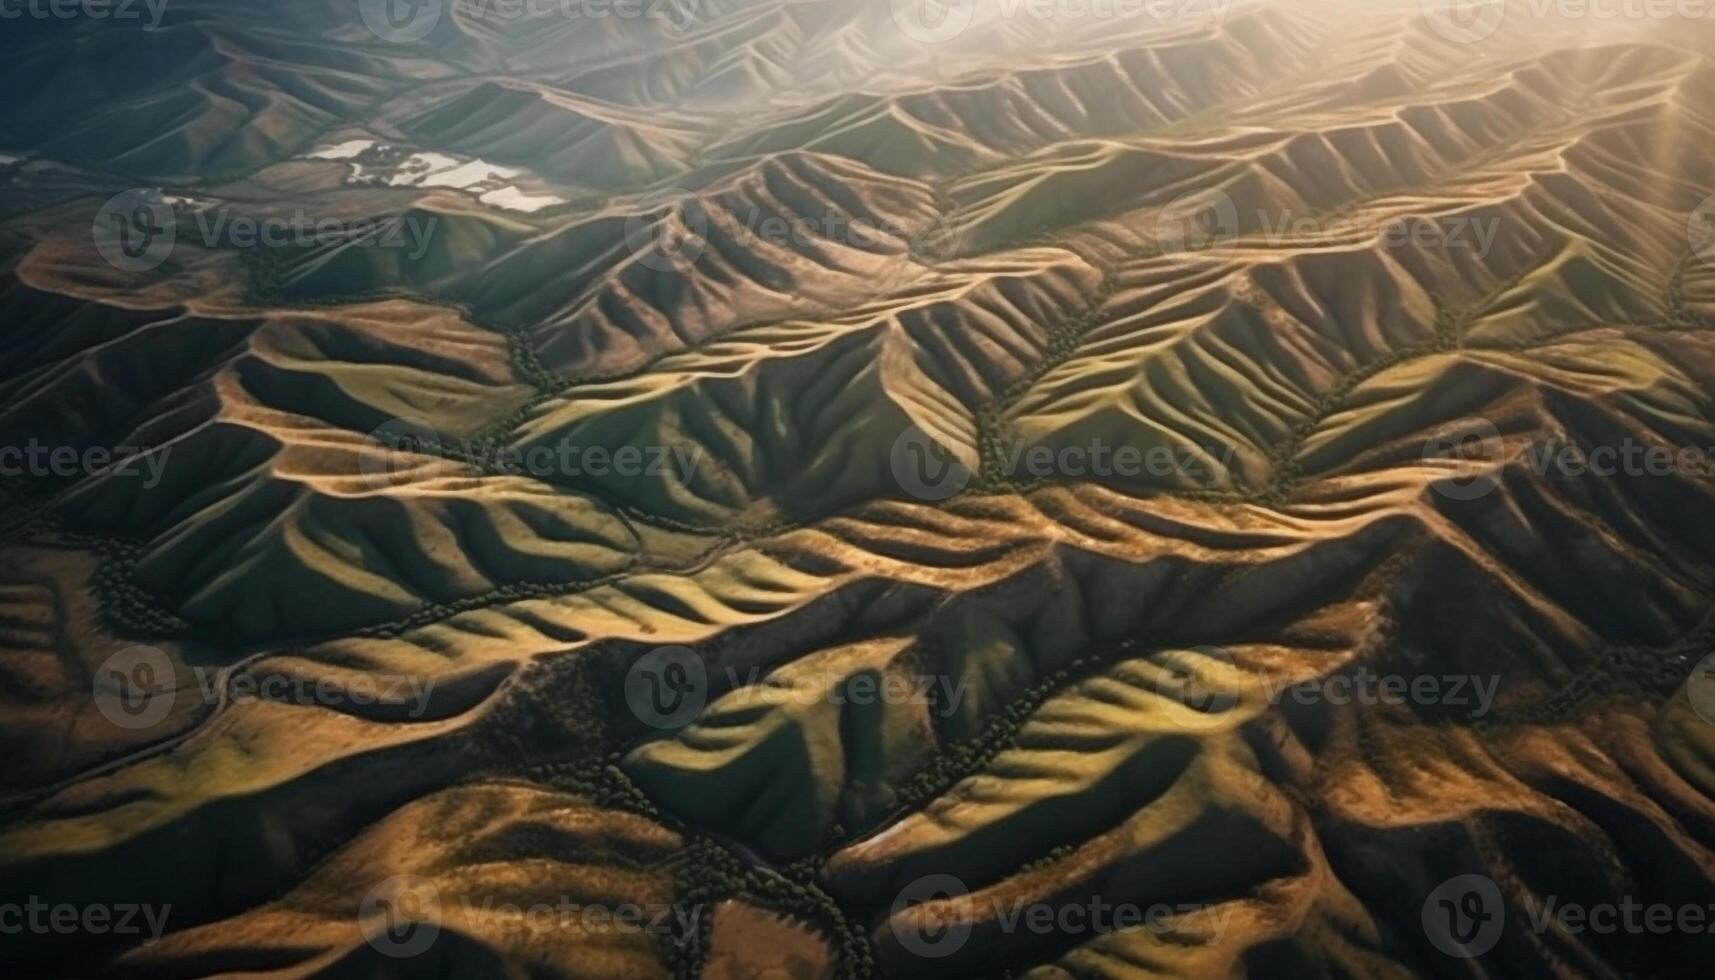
{"points": [[186, 201], [469, 175], [431, 169], [342, 151], [513, 199]]}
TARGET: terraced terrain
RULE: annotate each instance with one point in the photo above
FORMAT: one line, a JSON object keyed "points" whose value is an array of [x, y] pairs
{"points": [[659, 466]]}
